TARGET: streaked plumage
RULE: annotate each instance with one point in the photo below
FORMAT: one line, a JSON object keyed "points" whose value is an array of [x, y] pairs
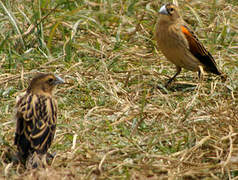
{"points": [[36, 115], [180, 45]]}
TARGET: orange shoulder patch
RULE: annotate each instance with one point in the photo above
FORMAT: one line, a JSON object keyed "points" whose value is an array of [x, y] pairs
{"points": [[185, 31]]}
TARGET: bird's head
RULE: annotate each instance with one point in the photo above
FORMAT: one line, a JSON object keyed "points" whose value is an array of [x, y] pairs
{"points": [[44, 83], [169, 12]]}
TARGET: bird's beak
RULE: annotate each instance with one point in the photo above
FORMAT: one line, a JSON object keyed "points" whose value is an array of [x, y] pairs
{"points": [[59, 80], [163, 10]]}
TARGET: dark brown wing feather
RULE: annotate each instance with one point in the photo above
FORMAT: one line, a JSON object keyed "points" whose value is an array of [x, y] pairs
{"points": [[36, 123], [199, 51]]}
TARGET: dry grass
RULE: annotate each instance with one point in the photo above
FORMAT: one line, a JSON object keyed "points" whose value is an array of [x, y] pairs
{"points": [[114, 123]]}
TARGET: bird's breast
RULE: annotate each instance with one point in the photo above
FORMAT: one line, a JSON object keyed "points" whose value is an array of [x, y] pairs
{"points": [[173, 44]]}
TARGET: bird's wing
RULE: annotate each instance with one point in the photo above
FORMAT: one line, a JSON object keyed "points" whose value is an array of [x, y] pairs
{"points": [[199, 51], [36, 123]]}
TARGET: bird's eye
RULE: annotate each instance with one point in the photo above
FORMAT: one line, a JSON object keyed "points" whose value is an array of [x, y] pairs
{"points": [[50, 80], [171, 9]]}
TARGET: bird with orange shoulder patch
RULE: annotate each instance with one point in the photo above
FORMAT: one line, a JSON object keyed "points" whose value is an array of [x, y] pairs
{"points": [[180, 45]]}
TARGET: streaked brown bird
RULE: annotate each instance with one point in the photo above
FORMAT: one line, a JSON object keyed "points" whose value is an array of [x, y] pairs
{"points": [[36, 115], [180, 45]]}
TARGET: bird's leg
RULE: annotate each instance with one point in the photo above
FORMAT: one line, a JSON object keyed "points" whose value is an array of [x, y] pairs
{"points": [[199, 74], [171, 79]]}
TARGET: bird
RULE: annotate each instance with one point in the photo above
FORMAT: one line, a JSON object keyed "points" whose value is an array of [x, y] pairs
{"points": [[180, 45], [36, 116]]}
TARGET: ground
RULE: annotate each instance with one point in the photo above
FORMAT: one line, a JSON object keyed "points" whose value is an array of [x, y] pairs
{"points": [[114, 122]]}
